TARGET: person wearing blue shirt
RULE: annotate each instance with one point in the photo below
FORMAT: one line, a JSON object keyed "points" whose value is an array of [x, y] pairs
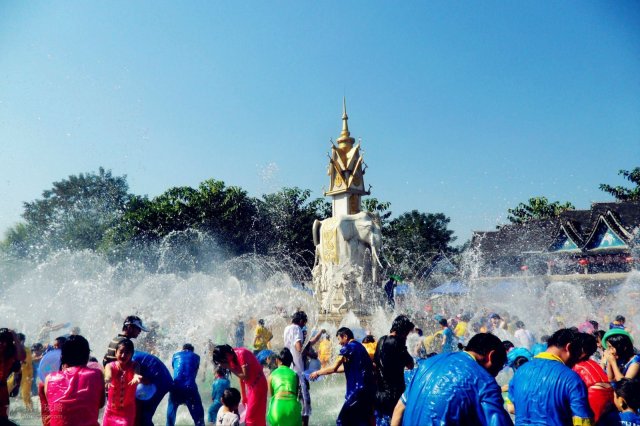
{"points": [[356, 364], [545, 391], [217, 390], [447, 336], [457, 388], [627, 403], [154, 371], [185, 390]]}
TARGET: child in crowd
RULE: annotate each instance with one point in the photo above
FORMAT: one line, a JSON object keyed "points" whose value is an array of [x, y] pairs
{"points": [[627, 401], [220, 384], [121, 380], [228, 413]]}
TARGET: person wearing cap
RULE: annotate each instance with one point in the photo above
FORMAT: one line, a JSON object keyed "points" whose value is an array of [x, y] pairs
{"points": [[546, 391], [131, 328], [619, 354]]}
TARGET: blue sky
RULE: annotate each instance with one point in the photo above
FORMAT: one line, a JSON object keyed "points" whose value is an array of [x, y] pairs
{"points": [[465, 108]]}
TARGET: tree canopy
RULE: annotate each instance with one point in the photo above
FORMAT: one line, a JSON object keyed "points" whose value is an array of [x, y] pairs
{"points": [[625, 194], [537, 208]]}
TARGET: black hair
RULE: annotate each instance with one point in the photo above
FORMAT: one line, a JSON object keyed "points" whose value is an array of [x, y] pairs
{"points": [[588, 343], [629, 389], [261, 321], [285, 357], [60, 341], [599, 334], [75, 351], [126, 344], [594, 324], [7, 338], [519, 324], [565, 336], [231, 397], [299, 317], [21, 337], [222, 372], [545, 338], [93, 359], [443, 322], [37, 347], [483, 343], [344, 331], [220, 352], [620, 318], [429, 355], [508, 344], [402, 325], [418, 331], [623, 345], [368, 339], [187, 347], [517, 363]]}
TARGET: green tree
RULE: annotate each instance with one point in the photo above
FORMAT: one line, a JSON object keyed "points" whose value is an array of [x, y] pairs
{"points": [[286, 219], [413, 238], [537, 208], [75, 213], [625, 194]]}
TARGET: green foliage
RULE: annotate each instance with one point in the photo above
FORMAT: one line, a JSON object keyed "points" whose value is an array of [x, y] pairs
{"points": [[625, 194], [537, 208], [74, 214], [285, 222], [414, 238]]}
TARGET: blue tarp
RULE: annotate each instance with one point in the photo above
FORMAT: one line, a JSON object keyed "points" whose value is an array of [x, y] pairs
{"points": [[450, 288]]}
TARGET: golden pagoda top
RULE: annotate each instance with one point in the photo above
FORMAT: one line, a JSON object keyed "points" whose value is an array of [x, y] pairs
{"points": [[345, 135]]}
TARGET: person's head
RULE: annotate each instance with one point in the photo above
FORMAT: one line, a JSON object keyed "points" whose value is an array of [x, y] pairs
{"points": [[299, 318], [620, 344], [7, 344], [519, 324], [402, 326], [132, 326], [594, 324], [223, 355], [443, 322], [519, 361], [566, 344], [124, 351], [261, 322], [627, 394], [222, 372], [285, 358], [21, 338], [188, 347], [75, 351], [369, 339], [588, 344], [418, 331], [488, 352], [508, 345], [37, 349], [57, 344], [494, 319], [620, 319], [599, 334], [231, 399], [344, 335]]}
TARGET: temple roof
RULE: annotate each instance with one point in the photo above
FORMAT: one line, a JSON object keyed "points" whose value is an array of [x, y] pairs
{"points": [[581, 226]]}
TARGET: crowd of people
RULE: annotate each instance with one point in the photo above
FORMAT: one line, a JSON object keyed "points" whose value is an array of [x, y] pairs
{"points": [[579, 375]]}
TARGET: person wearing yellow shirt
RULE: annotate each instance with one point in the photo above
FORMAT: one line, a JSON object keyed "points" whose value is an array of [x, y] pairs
{"points": [[263, 337]]}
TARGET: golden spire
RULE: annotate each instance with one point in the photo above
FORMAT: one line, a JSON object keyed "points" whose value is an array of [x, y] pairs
{"points": [[345, 136]]}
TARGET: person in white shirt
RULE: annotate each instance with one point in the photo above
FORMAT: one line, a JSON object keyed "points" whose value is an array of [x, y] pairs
{"points": [[228, 413], [523, 337], [294, 341]]}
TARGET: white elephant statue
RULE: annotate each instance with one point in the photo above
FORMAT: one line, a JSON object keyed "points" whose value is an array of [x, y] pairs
{"points": [[346, 268]]}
